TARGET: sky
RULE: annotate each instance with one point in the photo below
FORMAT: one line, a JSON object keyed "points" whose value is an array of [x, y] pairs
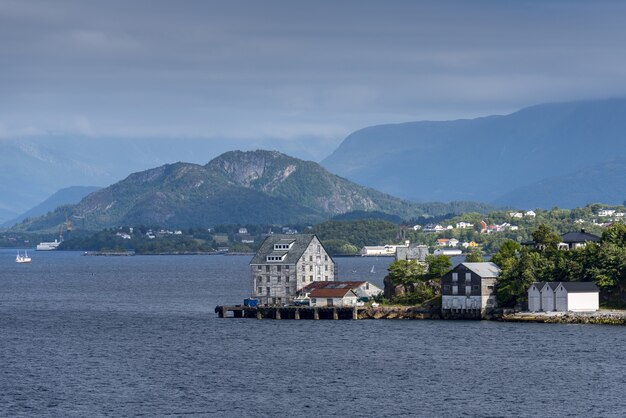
{"points": [[294, 75]]}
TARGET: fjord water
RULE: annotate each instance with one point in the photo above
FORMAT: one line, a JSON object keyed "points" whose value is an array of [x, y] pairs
{"points": [[127, 336]]}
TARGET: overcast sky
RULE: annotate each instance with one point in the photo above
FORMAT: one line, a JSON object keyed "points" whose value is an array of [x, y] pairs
{"points": [[290, 72]]}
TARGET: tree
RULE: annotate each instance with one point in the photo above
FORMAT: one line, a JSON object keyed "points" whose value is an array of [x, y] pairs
{"points": [[406, 271], [474, 256], [545, 237], [438, 265]]}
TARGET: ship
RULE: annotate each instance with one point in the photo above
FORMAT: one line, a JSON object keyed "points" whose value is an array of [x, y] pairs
{"points": [[21, 259], [48, 246]]}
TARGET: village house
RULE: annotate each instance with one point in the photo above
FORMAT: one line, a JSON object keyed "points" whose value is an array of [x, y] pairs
{"points": [[338, 294], [530, 214], [382, 250], [518, 215], [412, 252], [470, 287], [464, 225], [285, 264], [574, 240], [443, 242], [433, 228], [606, 212], [563, 297]]}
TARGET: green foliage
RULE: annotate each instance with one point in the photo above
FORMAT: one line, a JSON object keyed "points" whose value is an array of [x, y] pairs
{"points": [[603, 264], [474, 256], [406, 272], [357, 233], [420, 294], [438, 265]]}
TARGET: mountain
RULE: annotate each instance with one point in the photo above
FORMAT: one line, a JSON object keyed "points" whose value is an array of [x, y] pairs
{"points": [[255, 187], [489, 159], [66, 196], [600, 183], [33, 168]]}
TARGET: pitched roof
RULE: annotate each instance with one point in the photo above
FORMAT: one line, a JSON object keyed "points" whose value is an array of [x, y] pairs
{"points": [[538, 285], [300, 244], [483, 269], [580, 287], [551, 285], [324, 292], [581, 236], [332, 285]]}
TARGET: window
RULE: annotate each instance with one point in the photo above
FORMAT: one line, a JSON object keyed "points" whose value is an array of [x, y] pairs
{"points": [[313, 301], [259, 267], [267, 268], [468, 277], [455, 290], [260, 290], [468, 290], [310, 268], [286, 267], [326, 267], [446, 288], [310, 278], [476, 287], [455, 277], [268, 280], [278, 279], [303, 267], [319, 248], [367, 285], [329, 302], [325, 258], [287, 289], [287, 279], [326, 278], [267, 289], [310, 258], [277, 268]]}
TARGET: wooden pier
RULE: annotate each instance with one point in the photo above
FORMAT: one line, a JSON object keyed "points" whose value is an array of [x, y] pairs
{"points": [[288, 312]]}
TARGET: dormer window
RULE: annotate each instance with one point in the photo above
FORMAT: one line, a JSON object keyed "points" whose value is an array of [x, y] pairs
{"points": [[283, 245], [273, 258]]}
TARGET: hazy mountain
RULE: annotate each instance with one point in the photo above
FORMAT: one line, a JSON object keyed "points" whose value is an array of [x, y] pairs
{"points": [[33, 168], [600, 183], [485, 159], [66, 196], [236, 187]]}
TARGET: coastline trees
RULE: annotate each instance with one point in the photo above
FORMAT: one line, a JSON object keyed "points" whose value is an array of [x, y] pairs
{"points": [[604, 264]]}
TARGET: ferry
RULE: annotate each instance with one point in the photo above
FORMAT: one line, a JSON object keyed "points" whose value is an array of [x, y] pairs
{"points": [[21, 259], [48, 246]]}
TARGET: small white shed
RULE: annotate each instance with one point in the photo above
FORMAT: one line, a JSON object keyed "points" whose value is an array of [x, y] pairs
{"points": [[534, 296], [548, 299], [577, 297]]}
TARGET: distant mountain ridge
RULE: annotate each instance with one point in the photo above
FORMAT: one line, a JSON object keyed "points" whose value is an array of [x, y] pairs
{"points": [[66, 196], [490, 159], [254, 187]]}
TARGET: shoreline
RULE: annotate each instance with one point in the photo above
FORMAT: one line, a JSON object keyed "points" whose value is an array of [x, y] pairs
{"points": [[602, 317]]}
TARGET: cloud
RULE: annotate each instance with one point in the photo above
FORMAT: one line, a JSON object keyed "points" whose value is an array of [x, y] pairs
{"points": [[276, 69]]}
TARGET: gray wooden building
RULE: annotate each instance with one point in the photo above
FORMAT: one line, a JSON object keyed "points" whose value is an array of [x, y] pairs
{"points": [[285, 264], [470, 287]]}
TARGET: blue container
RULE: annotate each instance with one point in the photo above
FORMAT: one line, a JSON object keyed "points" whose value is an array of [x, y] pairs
{"points": [[251, 303]]}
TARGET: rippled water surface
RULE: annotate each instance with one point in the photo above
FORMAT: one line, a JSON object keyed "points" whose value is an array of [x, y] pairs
{"points": [[137, 336]]}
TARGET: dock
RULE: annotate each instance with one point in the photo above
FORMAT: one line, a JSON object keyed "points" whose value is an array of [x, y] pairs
{"points": [[288, 312]]}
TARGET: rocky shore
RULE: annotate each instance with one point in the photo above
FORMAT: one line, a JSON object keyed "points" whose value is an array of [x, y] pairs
{"points": [[599, 317]]}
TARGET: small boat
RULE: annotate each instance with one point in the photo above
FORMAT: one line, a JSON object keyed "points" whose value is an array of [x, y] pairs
{"points": [[22, 259], [372, 270]]}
